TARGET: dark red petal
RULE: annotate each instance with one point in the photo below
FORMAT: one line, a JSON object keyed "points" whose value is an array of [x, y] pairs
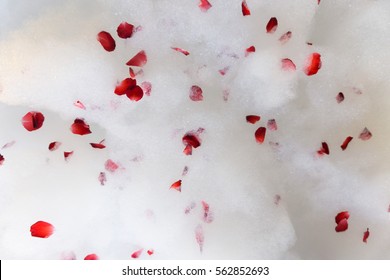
{"points": [[199, 236], [54, 146], [196, 93], [249, 50], [132, 73], [125, 30], [204, 5], [111, 166], [125, 85], [106, 40], [33, 120], [365, 134], [42, 229], [288, 65], [324, 149], [271, 125], [260, 135], [272, 25], [80, 127], [176, 186], [245, 9], [285, 37], [150, 252], [146, 88], [136, 254], [135, 94], [346, 142], [67, 155], [319, 1], [79, 104], [180, 50], [342, 215], [366, 234], [191, 139], [313, 64], [340, 97], [91, 257], [97, 145], [102, 178], [2, 159], [342, 225], [252, 119], [139, 59]]}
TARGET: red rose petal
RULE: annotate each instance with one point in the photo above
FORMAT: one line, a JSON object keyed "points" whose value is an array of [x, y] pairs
{"points": [[125, 30], [125, 85], [136, 254], [340, 97], [204, 5], [91, 257], [79, 104], [288, 65], [271, 125], [207, 215], [42, 229], [346, 142], [33, 120], [68, 155], [342, 215], [135, 94], [313, 64], [199, 236], [223, 71], [272, 25], [249, 50], [252, 119], [285, 37], [150, 252], [138, 60], [54, 146], [180, 50], [365, 134], [80, 127], [146, 88], [260, 135], [97, 145], [2, 159], [366, 234], [191, 139], [324, 149], [106, 40], [102, 178], [176, 186], [111, 166], [187, 150], [196, 93], [245, 9], [342, 225]]}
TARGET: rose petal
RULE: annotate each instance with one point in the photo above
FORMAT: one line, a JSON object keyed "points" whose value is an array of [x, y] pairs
{"points": [[324, 149], [191, 139], [199, 236], [204, 5], [68, 155], [106, 40], [249, 50], [2, 159], [54, 146], [176, 186], [342, 215], [366, 234], [340, 97], [33, 120], [150, 252], [346, 142], [272, 25], [125, 85], [79, 127], [8, 145], [97, 145], [146, 88], [271, 125], [196, 93], [313, 64], [91, 257], [125, 30], [285, 37], [342, 225], [42, 229], [288, 64], [260, 135], [79, 104], [365, 134], [252, 119], [102, 178], [138, 60], [245, 9], [207, 215], [136, 254], [180, 50]]}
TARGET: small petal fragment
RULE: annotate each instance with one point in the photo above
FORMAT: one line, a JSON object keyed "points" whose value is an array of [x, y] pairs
{"points": [[54, 146], [204, 5], [365, 134], [79, 127], [340, 97], [324, 149], [99, 145], [124, 86], [260, 135], [180, 50], [346, 142], [136, 254], [245, 9], [8, 145], [191, 139], [146, 88], [150, 252], [111, 166], [42, 229], [342, 225], [106, 40], [2, 159], [33, 120], [138, 60], [285, 37], [102, 178], [199, 236], [68, 155], [288, 64], [207, 215], [252, 119], [79, 104], [249, 50], [91, 257], [272, 25], [176, 186], [196, 93], [342, 215], [366, 234], [271, 125], [125, 30], [313, 64]]}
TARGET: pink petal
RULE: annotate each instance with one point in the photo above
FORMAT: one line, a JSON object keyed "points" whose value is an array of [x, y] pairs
{"points": [[146, 88], [346, 142], [68, 155], [342, 215], [196, 93], [252, 119], [365, 134], [285, 37], [180, 50], [342, 225], [199, 236], [150, 252], [366, 234], [111, 166], [2, 159], [42, 229], [260, 135], [80, 127], [249, 50], [223, 71], [188, 150], [102, 178], [176, 186], [54, 146], [340, 97], [207, 215], [138, 60], [79, 104], [135, 94], [106, 40], [8, 145], [313, 64], [91, 257], [33, 120], [272, 25], [271, 124], [125, 85], [125, 30], [204, 5], [288, 65], [136, 254], [245, 9]]}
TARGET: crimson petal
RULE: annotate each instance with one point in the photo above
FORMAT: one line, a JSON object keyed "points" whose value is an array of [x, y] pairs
{"points": [[346, 142], [33, 120], [106, 40], [260, 135], [125, 30], [196, 93], [245, 9], [252, 119], [313, 64], [80, 127], [272, 25], [91, 257], [42, 229], [139, 59]]}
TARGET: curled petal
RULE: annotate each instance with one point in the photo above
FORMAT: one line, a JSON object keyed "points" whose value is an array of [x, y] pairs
{"points": [[67, 155], [2, 159], [33, 120], [125, 30], [285, 37], [365, 134], [97, 145], [136, 254], [106, 40], [366, 234], [191, 139], [342, 225], [324, 149], [249, 50], [245, 9], [80, 127], [42, 229], [342, 215], [54, 146], [272, 25], [180, 50], [313, 64], [288, 64], [138, 60], [135, 94], [204, 5], [176, 186], [79, 104], [260, 135], [125, 85], [346, 142]]}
